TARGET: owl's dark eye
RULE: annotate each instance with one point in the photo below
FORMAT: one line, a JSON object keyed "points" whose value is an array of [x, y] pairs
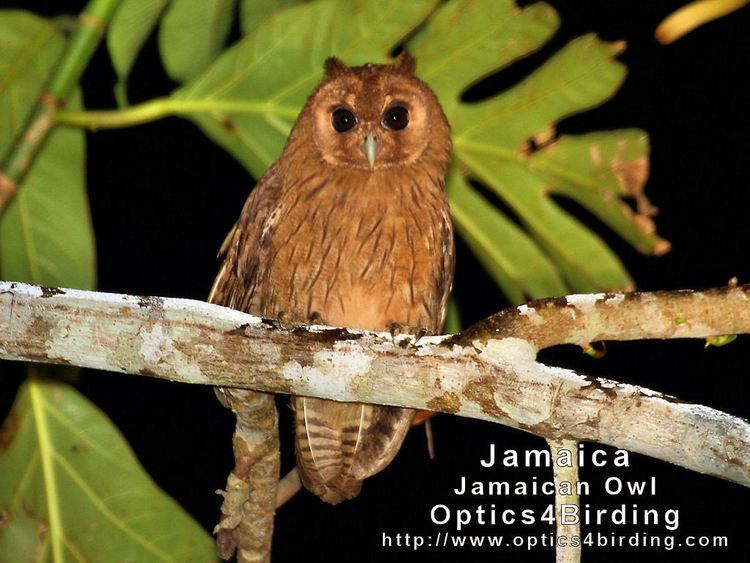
{"points": [[343, 120], [396, 117]]}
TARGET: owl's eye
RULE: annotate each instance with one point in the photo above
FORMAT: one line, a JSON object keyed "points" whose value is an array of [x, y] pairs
{"points": [[343, 120], [396, 117]]}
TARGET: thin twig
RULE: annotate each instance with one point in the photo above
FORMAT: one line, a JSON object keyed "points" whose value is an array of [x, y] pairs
{"points": [[566, 551], [289, 486], [160, 108]]}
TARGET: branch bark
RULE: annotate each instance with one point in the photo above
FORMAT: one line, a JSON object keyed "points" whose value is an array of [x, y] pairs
{"points": [[488, 372], [246, 525]]}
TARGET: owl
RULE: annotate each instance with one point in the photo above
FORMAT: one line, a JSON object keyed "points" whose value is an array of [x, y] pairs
{"points": [[350, 228]]}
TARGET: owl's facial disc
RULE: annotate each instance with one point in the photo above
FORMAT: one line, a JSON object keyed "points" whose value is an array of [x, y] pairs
{"points": [[374, 117]]}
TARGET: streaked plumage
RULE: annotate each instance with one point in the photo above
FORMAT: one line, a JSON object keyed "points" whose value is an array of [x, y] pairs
{"points": [[350, 230]]}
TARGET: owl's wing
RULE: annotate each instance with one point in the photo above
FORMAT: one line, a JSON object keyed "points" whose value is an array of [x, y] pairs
{"points": [[448, 268], [243, 248]]}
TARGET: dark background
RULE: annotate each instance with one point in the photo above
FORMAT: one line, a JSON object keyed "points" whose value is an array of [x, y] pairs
{"points": [[163, 198]]}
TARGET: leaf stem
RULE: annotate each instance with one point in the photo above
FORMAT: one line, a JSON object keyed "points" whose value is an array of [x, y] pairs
{"points": [[159, 108], [694, 15], [92, 22]]}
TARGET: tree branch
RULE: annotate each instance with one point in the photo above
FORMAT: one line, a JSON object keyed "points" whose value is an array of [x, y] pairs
{"points": [[567, 552], [489, 372], [249, 505]]}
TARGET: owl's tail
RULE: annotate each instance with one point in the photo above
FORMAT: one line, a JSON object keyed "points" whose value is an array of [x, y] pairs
{"points": [[340, 444]]}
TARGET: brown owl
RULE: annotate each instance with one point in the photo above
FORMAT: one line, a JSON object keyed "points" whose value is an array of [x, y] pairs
{"points": [[351, 228]]}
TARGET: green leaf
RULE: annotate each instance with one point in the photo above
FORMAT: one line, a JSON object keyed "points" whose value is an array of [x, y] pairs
{"points": [[46, 235], [191, 35], [30, 46], [508, 141], [70, 487], [254, 12], [467, 40], [719, 341], [131, 26], [278, 65], [248, 100], [452, 318], [73, 490], [490, 139], [596, 170], [508, 254], [583, 258]]}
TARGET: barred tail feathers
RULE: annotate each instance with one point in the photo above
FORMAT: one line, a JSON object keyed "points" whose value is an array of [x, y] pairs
{"points": [[340, 444]]}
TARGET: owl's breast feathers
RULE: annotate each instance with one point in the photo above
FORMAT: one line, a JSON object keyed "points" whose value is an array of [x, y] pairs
{"points": [[346, 248], [359, 250]]}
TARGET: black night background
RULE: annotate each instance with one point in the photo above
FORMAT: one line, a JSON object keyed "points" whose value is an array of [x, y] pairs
{"points": [[163, 197]]}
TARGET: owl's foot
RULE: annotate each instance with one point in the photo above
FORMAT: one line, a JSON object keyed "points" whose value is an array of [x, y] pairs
{"points": [[284, 321], [315, 318], [397, 328]]}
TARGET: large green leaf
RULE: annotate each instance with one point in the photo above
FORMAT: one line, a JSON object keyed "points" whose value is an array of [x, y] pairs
{"points": [[131, 25], [45, 233], [254, 12], [72, 490], [596, 169], [452, 318], [508, 142], [70, 487], [518, 266], [276, 67], [192, 33], [251, 95], [467, 40], [30, 45]]}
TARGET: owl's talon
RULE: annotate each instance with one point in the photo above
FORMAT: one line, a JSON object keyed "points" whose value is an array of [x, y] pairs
{"points": [[315, 318], [284, 320], [422, 332], [396, 329]]}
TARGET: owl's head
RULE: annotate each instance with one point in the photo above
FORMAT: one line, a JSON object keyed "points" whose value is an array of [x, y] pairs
{"points": [[376, 116]]}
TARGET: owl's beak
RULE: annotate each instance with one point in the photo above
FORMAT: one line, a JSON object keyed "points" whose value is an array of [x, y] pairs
{"points": [[370, 147]]}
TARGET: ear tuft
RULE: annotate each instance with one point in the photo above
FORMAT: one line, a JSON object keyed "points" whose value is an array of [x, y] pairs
{"points": [[405, 63], [335, 67]]}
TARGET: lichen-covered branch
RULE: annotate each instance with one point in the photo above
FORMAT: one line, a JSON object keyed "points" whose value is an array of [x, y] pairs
{"points": [[249, 505], [582, 319], [489, 372]]}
